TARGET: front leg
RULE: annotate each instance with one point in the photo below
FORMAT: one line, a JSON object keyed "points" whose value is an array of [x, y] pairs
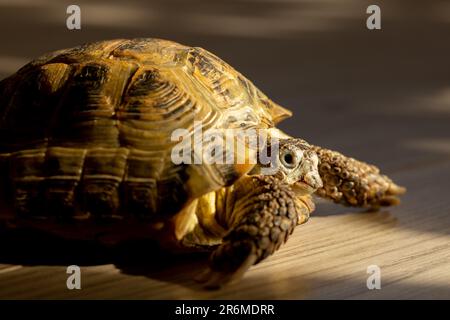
{"points": [[261, 212], [354, 183]]}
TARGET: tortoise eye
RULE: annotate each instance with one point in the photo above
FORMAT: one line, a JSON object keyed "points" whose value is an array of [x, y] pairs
{"points": [[289, 159]]}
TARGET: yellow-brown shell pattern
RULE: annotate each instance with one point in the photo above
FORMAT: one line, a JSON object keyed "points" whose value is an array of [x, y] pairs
{"points": [[87, 131]]}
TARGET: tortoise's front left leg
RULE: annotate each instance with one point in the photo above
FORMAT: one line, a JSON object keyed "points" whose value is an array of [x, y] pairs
{"points": [[354, 183], [261, 212]]}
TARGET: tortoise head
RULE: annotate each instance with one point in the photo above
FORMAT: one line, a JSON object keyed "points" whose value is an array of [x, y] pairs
{"points": [[298, 165], [294, 163]]}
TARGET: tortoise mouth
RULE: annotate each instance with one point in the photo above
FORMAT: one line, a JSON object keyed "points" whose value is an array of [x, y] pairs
{"points": [[302, 187]]}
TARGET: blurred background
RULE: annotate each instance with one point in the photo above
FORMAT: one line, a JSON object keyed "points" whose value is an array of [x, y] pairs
{"points": [[379, 95]]}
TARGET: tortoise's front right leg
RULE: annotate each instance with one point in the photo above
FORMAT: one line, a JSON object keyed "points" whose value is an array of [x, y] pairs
{"points": [[264, 214], [354, 183]]}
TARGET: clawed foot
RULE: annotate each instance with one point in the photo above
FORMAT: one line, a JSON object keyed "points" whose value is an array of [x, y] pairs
{"points": [[355, 183], [391, 198]]}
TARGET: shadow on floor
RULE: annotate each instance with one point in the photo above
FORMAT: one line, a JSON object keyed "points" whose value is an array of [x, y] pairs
{"points": [[143, 258]]}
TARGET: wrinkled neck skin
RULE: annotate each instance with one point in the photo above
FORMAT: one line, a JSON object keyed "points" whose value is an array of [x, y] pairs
{"points": [[217, 212], [206, 220]]}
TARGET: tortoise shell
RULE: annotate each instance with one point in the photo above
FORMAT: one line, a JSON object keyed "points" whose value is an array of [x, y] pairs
{"points": [[87, 131]]}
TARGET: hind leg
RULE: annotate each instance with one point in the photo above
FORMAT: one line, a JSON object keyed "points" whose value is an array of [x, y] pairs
{"points": [[354, 183]]}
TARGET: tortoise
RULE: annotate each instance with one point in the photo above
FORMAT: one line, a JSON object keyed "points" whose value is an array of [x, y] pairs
{"points": [[86, 141]]}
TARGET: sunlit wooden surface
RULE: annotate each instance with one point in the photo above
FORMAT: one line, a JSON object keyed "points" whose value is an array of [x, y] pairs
{"points": [[382, 97]]}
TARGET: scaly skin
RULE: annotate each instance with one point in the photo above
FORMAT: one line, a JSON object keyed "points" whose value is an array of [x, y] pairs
{"points": [[354, 183], [264, 214]]}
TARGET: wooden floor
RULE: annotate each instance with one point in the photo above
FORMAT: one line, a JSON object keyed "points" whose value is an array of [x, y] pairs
{"points": [[380, 96]]}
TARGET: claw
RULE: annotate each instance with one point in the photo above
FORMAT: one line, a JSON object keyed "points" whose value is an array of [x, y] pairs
{"points": [[391, 197], [389, 201], [203, 276], [396, 189], [214, 279]]}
